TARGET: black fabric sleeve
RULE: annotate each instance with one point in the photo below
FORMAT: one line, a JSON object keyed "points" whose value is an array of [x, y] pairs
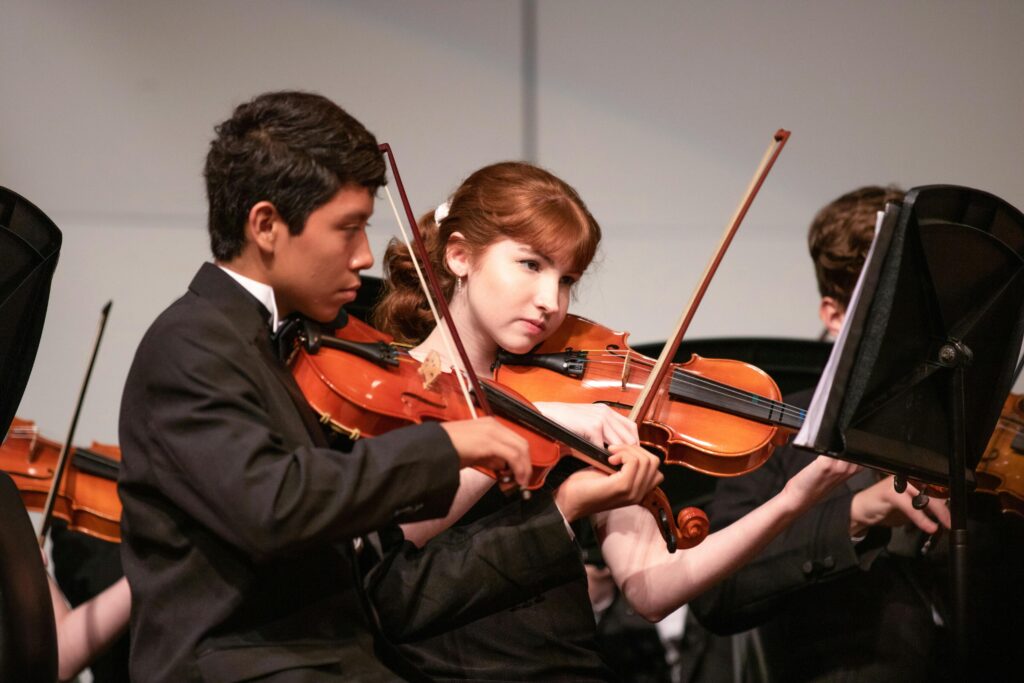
{"points": [[816, 547], [213, 449], [470, 571]]}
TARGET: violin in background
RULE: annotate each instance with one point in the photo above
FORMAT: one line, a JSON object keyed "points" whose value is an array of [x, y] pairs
{"points": [[87, 498], [1000, 471]]}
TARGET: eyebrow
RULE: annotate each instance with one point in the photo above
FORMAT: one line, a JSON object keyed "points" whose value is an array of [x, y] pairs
{"points": [[354, 216], [527, 250]]}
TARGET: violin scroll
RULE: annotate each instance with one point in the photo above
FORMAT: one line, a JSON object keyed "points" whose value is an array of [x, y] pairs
{"points": [[685, 531]]}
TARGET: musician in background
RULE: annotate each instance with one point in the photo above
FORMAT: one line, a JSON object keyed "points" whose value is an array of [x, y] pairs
{"points": [[846, 593], [88, 630], [85, 568]]}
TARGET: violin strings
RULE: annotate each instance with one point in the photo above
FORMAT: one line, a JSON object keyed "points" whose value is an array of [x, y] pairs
{"points": [[681, 377], [750, 399]]}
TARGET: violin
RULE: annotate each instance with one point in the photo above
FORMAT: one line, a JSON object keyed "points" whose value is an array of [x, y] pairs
{"points": [[1000, 471], [361, 384], [718, 417], [87, 499]]}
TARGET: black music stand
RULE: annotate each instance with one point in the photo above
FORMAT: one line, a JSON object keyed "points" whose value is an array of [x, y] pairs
{"points": [[29, 247], [917, 379]]}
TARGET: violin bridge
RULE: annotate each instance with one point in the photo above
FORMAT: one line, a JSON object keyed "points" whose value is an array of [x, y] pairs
{"points": [[624, 379], [430, 369]]}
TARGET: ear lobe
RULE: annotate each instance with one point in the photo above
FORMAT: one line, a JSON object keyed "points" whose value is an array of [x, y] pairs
{"points": [[263, 226], [832, 314], [457, 256]]}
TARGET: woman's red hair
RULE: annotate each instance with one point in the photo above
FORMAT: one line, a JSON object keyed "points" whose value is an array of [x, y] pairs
{"points": [[510, 200]]}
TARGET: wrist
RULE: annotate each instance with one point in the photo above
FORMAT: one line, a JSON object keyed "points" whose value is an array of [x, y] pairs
{"points": [[858, 525], [793, 502], [565, 504]]}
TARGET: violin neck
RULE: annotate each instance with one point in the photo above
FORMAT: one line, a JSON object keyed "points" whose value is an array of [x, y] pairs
{"points": [[511, 408], [96, 464], [708, 393]]}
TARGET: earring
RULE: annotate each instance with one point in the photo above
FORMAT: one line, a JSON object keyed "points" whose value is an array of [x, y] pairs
{"points": [[458, 285]]}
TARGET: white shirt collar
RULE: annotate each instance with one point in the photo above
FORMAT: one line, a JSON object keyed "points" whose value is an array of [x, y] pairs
{"points": [[264, 293]]}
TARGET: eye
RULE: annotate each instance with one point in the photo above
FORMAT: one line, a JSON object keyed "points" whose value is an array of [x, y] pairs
{"points": [[352, 227], [530, 264], [568, 280]]}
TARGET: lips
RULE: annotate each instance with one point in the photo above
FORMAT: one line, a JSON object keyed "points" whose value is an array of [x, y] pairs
{"points": [[534, 326], [348, 294]]}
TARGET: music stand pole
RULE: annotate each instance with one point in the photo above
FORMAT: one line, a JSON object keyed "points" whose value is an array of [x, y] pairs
{"points": [[957, 356]]}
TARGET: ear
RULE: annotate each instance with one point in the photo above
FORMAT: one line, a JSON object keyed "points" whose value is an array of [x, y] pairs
{"points": [[457, 256], [832, 314], [263, 227]]}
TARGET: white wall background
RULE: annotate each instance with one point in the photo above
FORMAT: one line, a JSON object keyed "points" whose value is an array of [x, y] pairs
{"points": [[658, 113]]}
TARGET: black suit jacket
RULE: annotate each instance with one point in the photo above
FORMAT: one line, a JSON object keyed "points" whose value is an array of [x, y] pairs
{"points": [[237, 525], [831, 610]]}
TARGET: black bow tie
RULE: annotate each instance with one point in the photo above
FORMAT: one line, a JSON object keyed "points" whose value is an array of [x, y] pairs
{"points": [[283, 340], [296, 326]]}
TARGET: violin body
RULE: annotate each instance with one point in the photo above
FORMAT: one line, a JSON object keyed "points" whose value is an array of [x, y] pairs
{"points": [[682, 425], [1000, 471], [86, 500]]}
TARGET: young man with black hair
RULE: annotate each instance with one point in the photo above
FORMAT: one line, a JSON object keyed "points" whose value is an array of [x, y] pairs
{"points": [[239, 521]]}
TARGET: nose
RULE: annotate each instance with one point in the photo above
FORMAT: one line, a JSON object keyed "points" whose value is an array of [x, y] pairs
{"points": [[362, 257], [546, 298]]}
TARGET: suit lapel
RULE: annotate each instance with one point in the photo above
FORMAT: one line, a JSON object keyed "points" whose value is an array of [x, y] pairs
{"points": [[284, 376], [250, 318]]}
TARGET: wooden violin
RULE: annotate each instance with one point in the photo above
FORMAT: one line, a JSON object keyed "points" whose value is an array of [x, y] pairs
{"points": [[1000, 471], [87, 498], [363, 385], [719, 417]]}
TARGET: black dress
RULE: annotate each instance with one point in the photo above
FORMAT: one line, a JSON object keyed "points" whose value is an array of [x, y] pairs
{"points": [[550, 637]]}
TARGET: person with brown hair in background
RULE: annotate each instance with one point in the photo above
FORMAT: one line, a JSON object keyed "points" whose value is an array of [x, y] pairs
{"points": [[847, 593]]}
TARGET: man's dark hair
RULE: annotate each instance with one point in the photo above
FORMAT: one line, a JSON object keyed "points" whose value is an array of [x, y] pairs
{"points": [[841, 234], [293, 149]]}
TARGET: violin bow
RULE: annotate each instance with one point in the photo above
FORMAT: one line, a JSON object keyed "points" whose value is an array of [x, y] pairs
{"points": [[62, 459], [654, 386], [432, 287]]}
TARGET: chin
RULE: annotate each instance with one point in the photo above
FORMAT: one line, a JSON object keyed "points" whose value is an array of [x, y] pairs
{"points": [[323, 315], [519, 346]]}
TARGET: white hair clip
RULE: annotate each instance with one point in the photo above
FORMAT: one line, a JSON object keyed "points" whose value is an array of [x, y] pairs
{"points": [[441, 212]]}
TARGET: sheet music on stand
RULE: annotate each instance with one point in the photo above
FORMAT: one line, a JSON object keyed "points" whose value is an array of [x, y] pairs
{"points": [[942, 287], [829, 393]]}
